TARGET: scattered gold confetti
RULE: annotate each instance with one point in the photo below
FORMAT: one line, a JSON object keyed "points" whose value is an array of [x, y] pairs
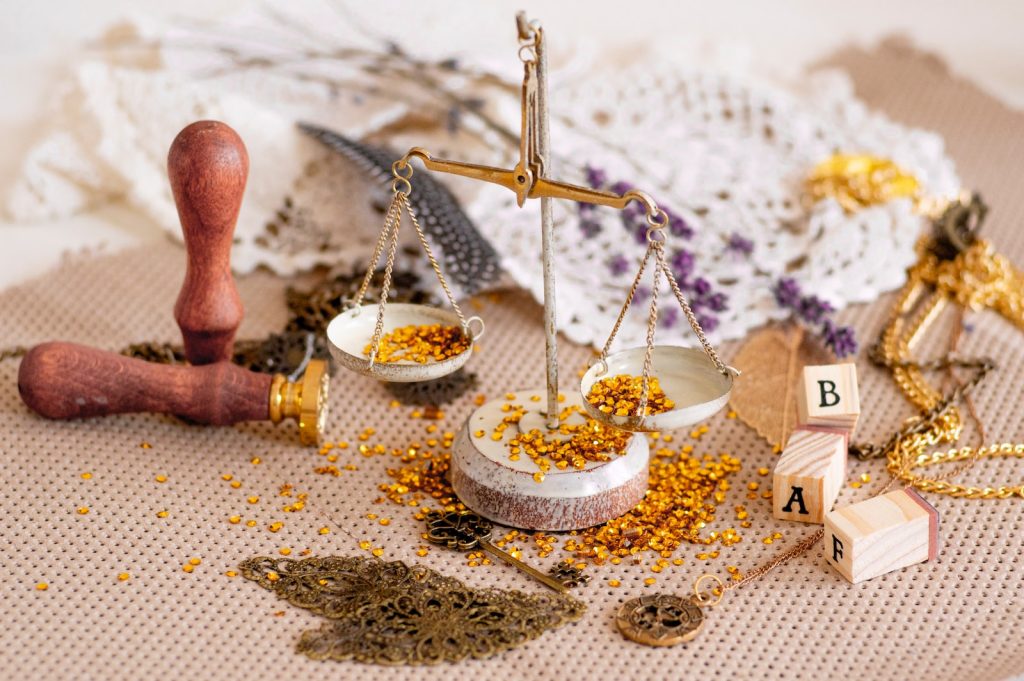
{"points": [[146, 445], [161, 514], [253, 499], [187, 568], [275, 527], [123, 577], [285, 551], [256, 461], [235, 519], [614, 582], [273, 576], [82, 510], [42, 586], [86, 476], [236, 484], [250, 523], [226, 476], [161, 478], [324, 530], [194, 561], [231, 573]]}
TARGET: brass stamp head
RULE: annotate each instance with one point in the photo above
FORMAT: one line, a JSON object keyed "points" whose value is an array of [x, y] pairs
{"points": [[304, 400]]}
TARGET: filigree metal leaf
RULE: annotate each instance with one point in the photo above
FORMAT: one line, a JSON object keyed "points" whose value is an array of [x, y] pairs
{"points": [[467, 257], [390, 613], [462, 530]]}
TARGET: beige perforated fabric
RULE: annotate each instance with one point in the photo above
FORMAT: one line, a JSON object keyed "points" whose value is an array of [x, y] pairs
{"points": [[957, 617]]}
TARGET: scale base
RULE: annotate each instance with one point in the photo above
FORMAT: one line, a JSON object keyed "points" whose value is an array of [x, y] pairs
{"points": [[505, 491]]}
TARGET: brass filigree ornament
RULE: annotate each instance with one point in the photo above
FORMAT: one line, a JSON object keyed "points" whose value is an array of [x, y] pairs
{"points": [[390, 613], [465, 531], [569, 575], [660, 620]]}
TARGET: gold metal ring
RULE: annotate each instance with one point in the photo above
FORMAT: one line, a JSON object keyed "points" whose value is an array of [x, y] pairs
{"points": [[397, 184], [398, 166], [653, 221], [469, 328], [656, 235], [706, 600], [604, 365]]}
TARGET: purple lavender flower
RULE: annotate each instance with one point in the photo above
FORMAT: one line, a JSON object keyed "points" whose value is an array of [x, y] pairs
{"points": [[701, 286], [618, 265], [677, 225], [596, 177], [840, 339], [640, 232], [681, 263], [813, 311], [668, 317], [787, 293], [738, 244], [590, 227], [642, 294], [708, 322], [718, 302], [621, 187]]}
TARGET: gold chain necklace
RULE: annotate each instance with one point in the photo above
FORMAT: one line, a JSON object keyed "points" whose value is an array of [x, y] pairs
{"points": [[953, 267]]}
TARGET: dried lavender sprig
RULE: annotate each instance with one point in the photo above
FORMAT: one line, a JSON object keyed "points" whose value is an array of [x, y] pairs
{"points": [[812, 311]]}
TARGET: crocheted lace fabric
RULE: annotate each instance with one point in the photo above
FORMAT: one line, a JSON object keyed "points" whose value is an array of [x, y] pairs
{"points": [[726, 153]]}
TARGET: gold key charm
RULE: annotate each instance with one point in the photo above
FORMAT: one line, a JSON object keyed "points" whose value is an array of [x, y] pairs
{"points": [[466, 531]]}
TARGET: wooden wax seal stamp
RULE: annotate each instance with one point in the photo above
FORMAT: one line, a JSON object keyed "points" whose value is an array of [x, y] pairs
{"points": [[68, 381], [208, 166]]}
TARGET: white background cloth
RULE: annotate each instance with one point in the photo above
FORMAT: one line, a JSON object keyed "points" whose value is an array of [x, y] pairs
{"points": [[38, 42]]}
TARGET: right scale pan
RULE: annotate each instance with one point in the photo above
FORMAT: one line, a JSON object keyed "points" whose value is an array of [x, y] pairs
{"points": [[685, 387]]}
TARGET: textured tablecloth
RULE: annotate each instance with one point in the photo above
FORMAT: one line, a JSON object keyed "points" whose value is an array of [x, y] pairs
{"points": [[957, 617]]}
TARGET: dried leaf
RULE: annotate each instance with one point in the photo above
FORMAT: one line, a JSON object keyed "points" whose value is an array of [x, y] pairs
{"points": [[772, 361]]}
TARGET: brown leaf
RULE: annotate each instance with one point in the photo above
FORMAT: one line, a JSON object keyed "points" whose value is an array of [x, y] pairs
{"points": [[772, 360]]}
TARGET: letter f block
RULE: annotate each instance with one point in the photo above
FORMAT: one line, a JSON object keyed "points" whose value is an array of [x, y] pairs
{"points": [[828, 397]]}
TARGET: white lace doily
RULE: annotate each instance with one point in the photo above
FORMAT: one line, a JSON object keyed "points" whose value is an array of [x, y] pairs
{"points": [[727, 154]]}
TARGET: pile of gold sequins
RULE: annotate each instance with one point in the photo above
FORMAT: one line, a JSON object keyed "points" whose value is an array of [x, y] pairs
{"points": [[420, 343], [620, 395]]}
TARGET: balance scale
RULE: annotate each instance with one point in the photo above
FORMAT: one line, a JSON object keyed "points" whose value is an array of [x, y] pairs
{"points": [[486, 474]]}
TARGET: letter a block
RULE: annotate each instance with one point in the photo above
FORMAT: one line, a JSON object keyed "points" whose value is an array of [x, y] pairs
{"points": [[809, 475], [881, 534], [828, 397]]}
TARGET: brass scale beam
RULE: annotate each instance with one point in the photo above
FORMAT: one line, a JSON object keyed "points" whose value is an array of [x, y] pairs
{"points": [[528, 181]]}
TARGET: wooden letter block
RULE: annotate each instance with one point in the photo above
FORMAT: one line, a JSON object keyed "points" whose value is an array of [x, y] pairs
{"points": [[809, 475], [828, 397], [881, 534]]}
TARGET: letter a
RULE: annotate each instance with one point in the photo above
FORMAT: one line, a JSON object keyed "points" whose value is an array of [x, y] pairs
{"points": [[797, 496], [828, 388]]}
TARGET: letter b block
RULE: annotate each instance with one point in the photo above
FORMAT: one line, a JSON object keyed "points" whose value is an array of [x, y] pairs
{"points": [[809, 475], [881, 534], [828, 397]]}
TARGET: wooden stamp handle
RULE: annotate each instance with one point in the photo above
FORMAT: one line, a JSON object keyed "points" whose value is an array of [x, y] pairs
{"points": [[66, 381], [208, 166]]}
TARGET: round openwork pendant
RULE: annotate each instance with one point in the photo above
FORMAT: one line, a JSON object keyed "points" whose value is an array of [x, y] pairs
{"points": [[660, 620]]}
